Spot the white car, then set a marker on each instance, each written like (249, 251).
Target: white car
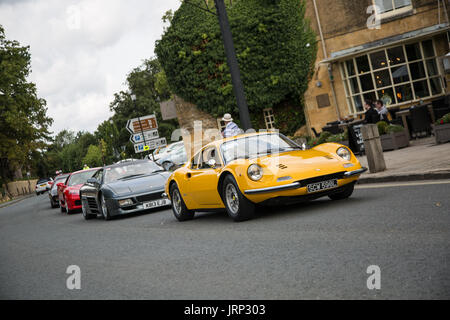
(162, 153)
(43, 185)
(176, 157)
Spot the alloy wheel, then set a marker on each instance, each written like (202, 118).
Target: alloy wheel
(176, 200)
(232, 199)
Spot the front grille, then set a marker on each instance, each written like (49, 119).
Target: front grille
(150, 196)
(337, 175)
(92, 203)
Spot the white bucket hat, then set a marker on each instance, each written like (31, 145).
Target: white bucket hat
(227, 117)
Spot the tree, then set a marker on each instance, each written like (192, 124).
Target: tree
(23, 116)
(93, 157)
(275, 47)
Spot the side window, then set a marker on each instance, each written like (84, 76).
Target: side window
(98, 175)
(195, 161)
(207, 154)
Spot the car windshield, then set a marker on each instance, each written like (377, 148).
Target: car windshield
(253, 146)
(131, 170)
(43, 180)
(80, 178)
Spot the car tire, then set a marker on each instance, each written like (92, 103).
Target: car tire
(238, 207)
(344, 194)
(86, 215)
(53, 204)
(104, 208)
(180, 211)
(67, 207)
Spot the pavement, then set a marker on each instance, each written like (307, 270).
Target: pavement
(16, 199)
(422, 160)
(317, 250)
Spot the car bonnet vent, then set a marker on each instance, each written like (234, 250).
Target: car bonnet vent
(282, 166)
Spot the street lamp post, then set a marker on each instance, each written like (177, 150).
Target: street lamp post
(133, 97)
(230, 52)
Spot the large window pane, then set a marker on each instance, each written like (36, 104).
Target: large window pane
(362, 63)
(350, 68)
(403, 93)
(385, 5)
(396, 55)
(387, 96)
(382, 78)
(354, 85)
(378, 60)
(435, 84)
(401, 3)
(413, 52)
(421, 89)
(358, 103)
(370, 96)
(417, 70)
(428, 49)
(366, 82)
(400, 74)
(432, 67)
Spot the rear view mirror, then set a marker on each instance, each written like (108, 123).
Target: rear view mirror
(211, 163)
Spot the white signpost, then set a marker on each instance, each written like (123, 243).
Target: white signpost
(149, 145)
(144, 133)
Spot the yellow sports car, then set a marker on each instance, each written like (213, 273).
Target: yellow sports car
(260, 168)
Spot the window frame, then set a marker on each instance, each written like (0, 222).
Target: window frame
(269, 118)
(394, 12)
(350, 96)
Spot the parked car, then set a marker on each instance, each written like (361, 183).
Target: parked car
(53, 192)
(260, 168)
(165, 151)
(124, 188)
(176, 157)
(69, 191)
(43, 185)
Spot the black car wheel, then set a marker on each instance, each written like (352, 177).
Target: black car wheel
(86, 215)
(105, 211)
(239, 208)
(344, 194)
(180, 211)
(53, 204)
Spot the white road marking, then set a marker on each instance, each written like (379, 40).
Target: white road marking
(400, 184)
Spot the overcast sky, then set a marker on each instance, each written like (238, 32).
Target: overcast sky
(81, 51)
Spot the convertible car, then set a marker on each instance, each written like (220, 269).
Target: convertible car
(260, 168)
(124, 188)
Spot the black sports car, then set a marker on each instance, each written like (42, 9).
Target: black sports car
(124, 188)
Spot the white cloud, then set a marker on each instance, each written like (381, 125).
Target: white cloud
(81, 51)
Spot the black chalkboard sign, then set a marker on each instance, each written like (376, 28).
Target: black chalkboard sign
(356, 142)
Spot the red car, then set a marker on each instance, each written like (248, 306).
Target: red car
(69, 190)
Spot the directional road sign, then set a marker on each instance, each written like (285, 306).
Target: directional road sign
(147, 123)
(148, 135)
(151, 144)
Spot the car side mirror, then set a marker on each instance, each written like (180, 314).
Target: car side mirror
(60, 184)
(211, 163)
(92, 181)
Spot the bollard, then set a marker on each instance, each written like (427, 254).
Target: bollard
(372, 145)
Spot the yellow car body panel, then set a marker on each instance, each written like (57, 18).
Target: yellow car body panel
(199, 187)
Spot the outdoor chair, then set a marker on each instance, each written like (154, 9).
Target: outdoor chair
(420, 121)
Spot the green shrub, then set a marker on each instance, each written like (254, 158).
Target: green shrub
(382, 127)
(394, 128)
(445, 119)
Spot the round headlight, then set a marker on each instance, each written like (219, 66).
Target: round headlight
(254, 172)
(344, 153)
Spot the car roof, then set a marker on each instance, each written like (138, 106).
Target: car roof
(127, 163)
(91, 169)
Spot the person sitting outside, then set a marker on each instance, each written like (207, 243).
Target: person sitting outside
(371, 115)
(231, 128)
(382, 110)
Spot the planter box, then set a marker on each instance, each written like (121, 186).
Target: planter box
(442, 132)
(394, 140)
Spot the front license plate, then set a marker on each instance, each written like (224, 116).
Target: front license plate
(323, 185)
(156, 203)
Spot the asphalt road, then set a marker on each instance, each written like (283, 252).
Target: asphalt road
(320, 250)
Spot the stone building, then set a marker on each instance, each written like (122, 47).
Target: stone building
(391, 52)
